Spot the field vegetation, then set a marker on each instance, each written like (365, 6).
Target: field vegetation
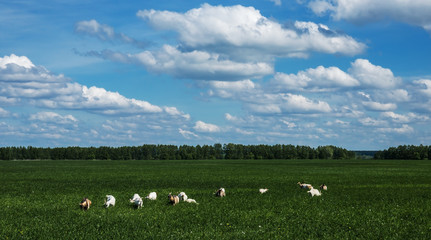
(366, 199)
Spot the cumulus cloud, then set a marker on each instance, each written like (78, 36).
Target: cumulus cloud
(412, 12)
(206, 127)
(198, 65)
(404, 129)
(258, 100)
(231, 89)
(22, 61)
(404, 118)
(361, 74)
(24, 82)
(105, 32)
(372, 75)
(238, 32)
(376, 106)
(424, 86)
(53, 117)
(314, 79)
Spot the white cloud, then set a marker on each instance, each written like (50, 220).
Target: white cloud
(314, 79)
(407, 118)
(240, 32)
(320, 7)
(232, 89)
(4, 113)
(276, 2)
(198, 65)
(187, 134)
(206, 127)
(53, 118)
(105, 32)
(92, 27)
(425, 86)
(299, 103)
(373, 76)
(372, 122)
(24, 83)
(289, 124)
(173, 111)
(376, 106)
(404, 129)
(22, 61)
(414, 12)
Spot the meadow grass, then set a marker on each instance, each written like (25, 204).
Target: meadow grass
(366, 199)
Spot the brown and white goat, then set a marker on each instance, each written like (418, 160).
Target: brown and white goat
(173, 199)
(85, 204)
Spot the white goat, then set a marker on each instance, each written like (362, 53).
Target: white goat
(189, 200)
(137, 200)
(221, 193)
(263, 190)
(183, 196)
(110, 200)
(314, 192)
(152, 196)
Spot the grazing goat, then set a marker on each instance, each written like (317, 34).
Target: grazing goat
(220, 193)
(182, 196)
(305, 185)
(152, 196)
(137, 200)
(173, 199)
(110, 200)
(314, 192)
(85, 204)
(263, 190)
(323, 187)
(189, 200)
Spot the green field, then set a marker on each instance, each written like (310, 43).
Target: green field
(366, 199)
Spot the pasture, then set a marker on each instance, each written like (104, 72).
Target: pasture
(366, 199)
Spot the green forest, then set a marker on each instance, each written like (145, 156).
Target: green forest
(173, 152)
(407, 152)
(216, 151)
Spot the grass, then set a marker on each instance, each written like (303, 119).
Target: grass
(366, 199)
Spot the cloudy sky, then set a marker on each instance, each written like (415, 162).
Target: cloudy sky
(355, 74)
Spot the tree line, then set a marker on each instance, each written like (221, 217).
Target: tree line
(408, 152)
(173, 152)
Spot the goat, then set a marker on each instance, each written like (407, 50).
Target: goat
(305, 185)
(110, 200)
(323, 187)
(182, 196)
(85, 204)
(263, 190)
(220, 193)
(173, 199)
(137, 200)
(189, 200)
(314, 192)
(152, 196)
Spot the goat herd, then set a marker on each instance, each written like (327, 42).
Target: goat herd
(175, 199)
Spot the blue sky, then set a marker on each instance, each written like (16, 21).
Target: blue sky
(355, 74)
